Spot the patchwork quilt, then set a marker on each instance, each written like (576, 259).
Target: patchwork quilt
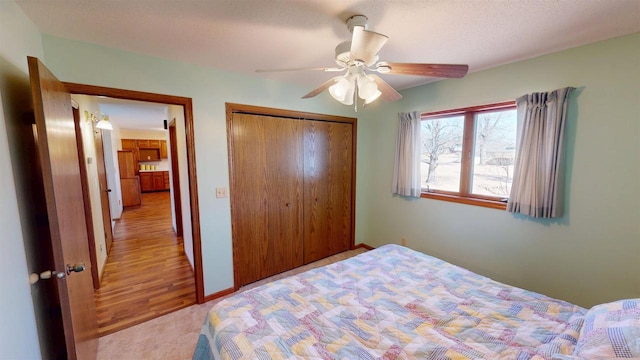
(389, 303)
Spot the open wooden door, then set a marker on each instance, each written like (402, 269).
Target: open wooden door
(63, 192)
(104, 188)
(175, 177)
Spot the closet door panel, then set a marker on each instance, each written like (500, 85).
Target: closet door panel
(266, 196)
(328, 189)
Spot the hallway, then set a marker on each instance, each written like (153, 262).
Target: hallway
(147, 273)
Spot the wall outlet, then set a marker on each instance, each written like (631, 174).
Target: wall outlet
(101, 250)
(403, 242)
(221, 192)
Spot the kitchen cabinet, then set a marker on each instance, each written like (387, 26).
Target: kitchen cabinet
(126, 164)
(145, 150)
(149, 154)
(148, 144)
(144, 144)
(132, 145)
(146, 181)
(128, 144)
(163, 149)
(158, 180)
(154, 181)
(129, 182)
(130, 191)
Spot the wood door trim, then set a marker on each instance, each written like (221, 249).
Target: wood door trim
(86, 200)
(187, 105)
(101, 168)
(292, 114)
(175, 176)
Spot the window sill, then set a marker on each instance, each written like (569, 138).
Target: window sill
(493, 204)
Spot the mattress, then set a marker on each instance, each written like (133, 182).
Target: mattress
(389, 303)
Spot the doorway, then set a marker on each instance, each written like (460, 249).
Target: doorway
(186, 188)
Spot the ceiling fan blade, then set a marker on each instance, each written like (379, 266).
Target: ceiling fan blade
(365, 45)
(389, 94)
(322, 87)
(434, 70)
(302, 69)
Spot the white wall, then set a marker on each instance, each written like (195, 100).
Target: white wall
(90, 104)
(116, 144)
(173, 209)
(113, 175)
(177, 113)
(18, 333)
(142, 134)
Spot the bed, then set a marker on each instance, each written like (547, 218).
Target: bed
(396, 303)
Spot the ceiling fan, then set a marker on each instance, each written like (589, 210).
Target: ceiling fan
(358, 58)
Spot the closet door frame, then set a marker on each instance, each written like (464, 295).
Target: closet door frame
(232, 108)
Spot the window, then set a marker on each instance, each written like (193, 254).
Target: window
(468, 154)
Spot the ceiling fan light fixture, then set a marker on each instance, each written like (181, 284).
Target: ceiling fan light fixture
(366, 87)
(358, 58)
(339, 90)
(373, 97)
(349, 95)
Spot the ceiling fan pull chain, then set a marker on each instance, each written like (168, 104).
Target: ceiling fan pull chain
(355, 98)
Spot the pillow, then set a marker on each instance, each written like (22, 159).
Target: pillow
(610, 331)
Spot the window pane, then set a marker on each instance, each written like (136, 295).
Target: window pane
(494, 153)
(441, 152)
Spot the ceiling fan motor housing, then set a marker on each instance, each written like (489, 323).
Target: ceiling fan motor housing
(360, 55)
(343, 50)
(356, 20)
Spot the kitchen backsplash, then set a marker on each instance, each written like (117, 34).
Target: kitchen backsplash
(162, 165)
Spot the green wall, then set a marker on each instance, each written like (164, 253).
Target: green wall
(80, 62)
(19, 334)
(589, 256)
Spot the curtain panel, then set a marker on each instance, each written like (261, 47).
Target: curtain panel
(538, 179)
(406, 170)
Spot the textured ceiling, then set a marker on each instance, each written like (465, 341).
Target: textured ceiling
(245, 35)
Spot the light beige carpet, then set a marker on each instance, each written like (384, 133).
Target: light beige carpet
(174, 336)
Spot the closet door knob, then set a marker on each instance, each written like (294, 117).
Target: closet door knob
(288, 204)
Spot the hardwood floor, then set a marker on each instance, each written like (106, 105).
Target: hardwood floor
(147, 273)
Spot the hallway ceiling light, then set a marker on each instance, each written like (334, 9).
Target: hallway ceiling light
(101, 119)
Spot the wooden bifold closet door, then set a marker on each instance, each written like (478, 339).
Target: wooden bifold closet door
(328, 157)
(291, 192)
(266, 193)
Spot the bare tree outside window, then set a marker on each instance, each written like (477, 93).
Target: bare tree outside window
(482, 175)
(494, 152)
(441, 148)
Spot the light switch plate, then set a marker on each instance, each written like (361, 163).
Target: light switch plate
(221, 192)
